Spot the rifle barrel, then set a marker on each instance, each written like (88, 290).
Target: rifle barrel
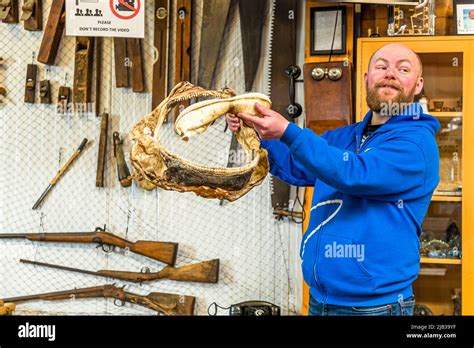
(64, 268)
(13, 235)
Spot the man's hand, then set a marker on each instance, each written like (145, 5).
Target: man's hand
(270, 126)
(233, 122)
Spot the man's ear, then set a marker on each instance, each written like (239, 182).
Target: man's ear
(419, 85)
(365, 78)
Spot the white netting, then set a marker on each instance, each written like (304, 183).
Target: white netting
(257, 252)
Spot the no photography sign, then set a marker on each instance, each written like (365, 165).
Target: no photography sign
(105, 18)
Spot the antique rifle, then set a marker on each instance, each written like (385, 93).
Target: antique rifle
(161, 251)
(167, 304)
(201, 272)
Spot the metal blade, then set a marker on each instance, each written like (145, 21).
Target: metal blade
(252, 19)
(283, 46)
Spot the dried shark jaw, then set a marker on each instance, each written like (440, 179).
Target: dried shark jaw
(154, 166)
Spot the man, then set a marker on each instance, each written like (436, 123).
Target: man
(373, 183)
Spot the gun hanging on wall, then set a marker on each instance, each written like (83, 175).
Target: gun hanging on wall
(160, 251)
(201, 272)
(167, 304)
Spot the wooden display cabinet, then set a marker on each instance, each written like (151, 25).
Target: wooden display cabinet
(448, 63)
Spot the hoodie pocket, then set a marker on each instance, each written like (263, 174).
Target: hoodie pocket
(340, 269)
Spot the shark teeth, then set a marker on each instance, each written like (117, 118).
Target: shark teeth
(154, 166)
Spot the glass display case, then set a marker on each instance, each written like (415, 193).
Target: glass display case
(445, 285)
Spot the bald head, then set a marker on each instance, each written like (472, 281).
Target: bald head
(398, 50)
(393, 76)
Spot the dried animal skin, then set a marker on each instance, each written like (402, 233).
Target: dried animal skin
(154, 166)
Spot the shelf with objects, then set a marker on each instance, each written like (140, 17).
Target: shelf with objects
(445, 284)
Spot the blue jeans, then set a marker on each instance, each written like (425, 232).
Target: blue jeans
(393, 309)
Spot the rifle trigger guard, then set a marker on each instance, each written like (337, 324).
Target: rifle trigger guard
(121, 302)
(145, 270)
(106, 248)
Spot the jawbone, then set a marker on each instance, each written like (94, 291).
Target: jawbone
(154, 166)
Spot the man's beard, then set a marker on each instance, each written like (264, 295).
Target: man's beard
(377, 103)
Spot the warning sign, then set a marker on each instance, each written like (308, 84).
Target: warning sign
(121, 6)
(106, 18)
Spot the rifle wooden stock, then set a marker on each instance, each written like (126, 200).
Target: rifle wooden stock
(6, 308)
(168, 304)
(160, 251)
(202, 272)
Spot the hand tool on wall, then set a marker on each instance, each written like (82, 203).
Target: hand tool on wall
(161, 251)
(3, 94)
(183, 47)
(98, 74)
(122, 62)
(135, 53)
(84, 53)
(45, 92)
(283, 54)
(161, 51)
(32, 15)
(200, 272)
(64, 97)
(252, 19)
(52, 33)
(122, 168)
(251, 24)
(30, 86)
(60, 173)
(167, 304)
(104, 129)
(214, 18)
(9, 11)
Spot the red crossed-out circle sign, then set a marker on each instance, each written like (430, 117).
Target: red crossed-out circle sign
(133, 10)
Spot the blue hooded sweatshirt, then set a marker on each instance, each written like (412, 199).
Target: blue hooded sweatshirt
(362, 244)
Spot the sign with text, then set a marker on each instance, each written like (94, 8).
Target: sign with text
(105, 18)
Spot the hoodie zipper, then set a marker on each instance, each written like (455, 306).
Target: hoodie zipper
(359, 147)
